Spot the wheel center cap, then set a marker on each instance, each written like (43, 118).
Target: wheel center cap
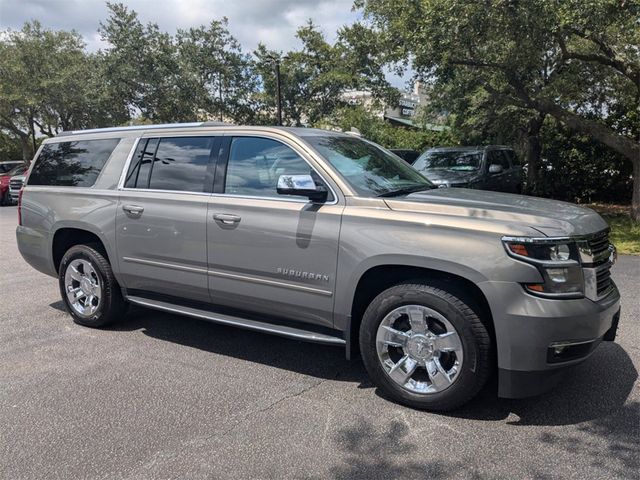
(420, 347)
(85, 285)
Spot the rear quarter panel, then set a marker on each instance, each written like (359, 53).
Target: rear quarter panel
(47, 209)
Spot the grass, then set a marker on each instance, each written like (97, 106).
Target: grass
(625, 233)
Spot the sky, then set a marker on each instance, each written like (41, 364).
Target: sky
(272, 22)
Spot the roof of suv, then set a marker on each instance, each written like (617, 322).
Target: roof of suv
(299, 131)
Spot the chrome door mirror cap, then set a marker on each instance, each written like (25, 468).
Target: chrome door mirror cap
(303, 186)
(495, 169)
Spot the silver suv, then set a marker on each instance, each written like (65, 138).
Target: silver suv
(324, 237)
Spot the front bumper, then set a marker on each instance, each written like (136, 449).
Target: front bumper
(527, 328)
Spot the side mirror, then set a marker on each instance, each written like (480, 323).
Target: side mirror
(303, 186)
(494, 168)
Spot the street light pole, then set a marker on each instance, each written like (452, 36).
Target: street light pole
(278, 93)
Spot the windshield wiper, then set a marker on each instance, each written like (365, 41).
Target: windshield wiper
(406, 191)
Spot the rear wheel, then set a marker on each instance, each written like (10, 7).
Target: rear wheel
(88, 287)
(425, 347)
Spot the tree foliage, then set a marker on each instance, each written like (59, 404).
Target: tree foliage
(47, 84)
(199, 73)
(315, 76)
(577, 61)
(374, 128)
(558, 79)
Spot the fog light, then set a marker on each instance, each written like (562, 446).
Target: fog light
(559, 350)
(557, 275)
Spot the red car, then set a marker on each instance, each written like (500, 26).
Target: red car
(5, 197)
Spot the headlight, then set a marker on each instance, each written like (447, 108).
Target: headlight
(557, 260)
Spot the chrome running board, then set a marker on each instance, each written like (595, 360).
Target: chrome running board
(282, 330)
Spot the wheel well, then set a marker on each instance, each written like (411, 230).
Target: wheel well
(377, 279)
(65, 238)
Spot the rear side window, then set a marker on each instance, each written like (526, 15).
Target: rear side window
(176, 163)
(71, 164)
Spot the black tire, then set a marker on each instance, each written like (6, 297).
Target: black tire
(111, 305)
(6, 199)
(475, 339)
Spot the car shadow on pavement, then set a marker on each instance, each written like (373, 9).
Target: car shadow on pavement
(321, 361)
(597, 388)
(592, 391)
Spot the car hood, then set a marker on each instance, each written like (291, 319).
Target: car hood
(549, 217)
(442, 176)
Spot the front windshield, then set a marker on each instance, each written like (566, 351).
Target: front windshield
(461, 160)
(16, 170)
(369, 169)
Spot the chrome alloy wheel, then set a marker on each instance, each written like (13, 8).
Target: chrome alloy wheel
(82, 286)
(419, 349)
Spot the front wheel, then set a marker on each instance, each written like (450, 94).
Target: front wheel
(88, 287)
(425, 347)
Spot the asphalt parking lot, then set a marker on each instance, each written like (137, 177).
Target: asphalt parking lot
(163, 396)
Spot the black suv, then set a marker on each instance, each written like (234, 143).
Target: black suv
(485, 168)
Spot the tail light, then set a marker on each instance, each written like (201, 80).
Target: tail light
(20, 206)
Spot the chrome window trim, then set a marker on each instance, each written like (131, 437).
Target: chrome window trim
(173, 192)
(127, 163)
(275, 199)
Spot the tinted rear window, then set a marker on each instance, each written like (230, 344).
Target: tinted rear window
(172, 163)
(71, 164)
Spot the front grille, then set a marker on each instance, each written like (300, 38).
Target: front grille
(15, 184)
(599, 248)
(596, 250)
(597, 256)
(603, 280)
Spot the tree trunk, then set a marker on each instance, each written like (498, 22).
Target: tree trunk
(534, 152)
(635, 201)
(25, 145)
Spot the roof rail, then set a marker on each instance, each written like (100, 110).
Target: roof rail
(144, 127)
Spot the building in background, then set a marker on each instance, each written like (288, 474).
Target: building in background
(402, 114)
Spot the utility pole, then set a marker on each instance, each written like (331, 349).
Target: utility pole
(278, 93)
(275, 59)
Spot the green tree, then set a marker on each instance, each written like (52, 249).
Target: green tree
(142, 70)
(374, 128)
(314, 77)
(576, 61)
(220, 73)
(199, 73)
(47, 83)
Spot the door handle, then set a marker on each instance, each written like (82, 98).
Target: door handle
(133, 210)
(226, 218)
